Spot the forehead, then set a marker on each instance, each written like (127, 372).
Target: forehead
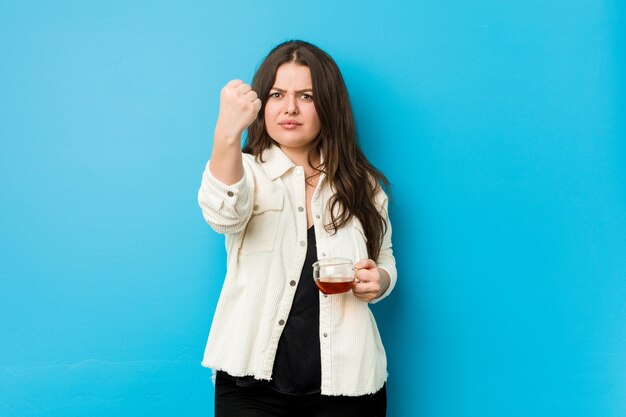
(291, 75)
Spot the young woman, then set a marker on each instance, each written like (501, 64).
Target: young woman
(300, 191)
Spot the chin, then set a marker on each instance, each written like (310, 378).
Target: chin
(292, 142)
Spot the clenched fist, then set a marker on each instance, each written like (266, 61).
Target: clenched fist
(239, 106)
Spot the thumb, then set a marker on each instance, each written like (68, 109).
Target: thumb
(365, 264)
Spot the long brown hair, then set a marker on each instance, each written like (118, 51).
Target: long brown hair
(354, 179)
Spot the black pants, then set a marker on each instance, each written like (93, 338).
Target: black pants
(260, 401)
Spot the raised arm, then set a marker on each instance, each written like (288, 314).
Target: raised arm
(224, 196)
(239, 106)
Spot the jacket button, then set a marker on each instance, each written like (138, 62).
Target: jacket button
(230, 193)
(317, 216)
(325, 334)
(255, 207)
(281, 322)
(300, 209)
(292, 283)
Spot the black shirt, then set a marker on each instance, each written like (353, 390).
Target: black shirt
(297, 365)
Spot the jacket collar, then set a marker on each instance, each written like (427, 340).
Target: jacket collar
(275, 162)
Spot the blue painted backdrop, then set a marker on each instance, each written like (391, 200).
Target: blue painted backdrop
(500, 125)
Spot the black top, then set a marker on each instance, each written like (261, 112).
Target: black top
(297, 366)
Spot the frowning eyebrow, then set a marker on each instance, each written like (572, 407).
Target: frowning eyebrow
(306, 90)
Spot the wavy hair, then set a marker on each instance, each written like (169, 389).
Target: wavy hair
(353, 178)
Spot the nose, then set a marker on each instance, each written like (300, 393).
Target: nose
(291, 104)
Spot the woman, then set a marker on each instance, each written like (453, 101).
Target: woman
(300, 191)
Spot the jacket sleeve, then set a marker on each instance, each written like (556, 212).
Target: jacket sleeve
(386, 260)
(226, 208)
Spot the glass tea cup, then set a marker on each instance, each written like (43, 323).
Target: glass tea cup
(333, 275)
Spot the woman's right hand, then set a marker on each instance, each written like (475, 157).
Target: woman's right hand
(239, 106)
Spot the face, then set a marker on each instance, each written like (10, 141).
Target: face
(290, 115)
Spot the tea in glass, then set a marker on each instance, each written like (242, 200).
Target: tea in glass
(333, 275)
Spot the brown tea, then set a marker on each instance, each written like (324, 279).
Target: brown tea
(334, 285)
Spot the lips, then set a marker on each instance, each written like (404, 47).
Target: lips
(290, 124)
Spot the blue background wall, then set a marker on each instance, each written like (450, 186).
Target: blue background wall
(499, 123)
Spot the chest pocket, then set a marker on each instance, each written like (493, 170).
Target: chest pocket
(262, 228)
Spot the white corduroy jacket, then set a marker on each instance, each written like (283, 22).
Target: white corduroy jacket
(263, 217)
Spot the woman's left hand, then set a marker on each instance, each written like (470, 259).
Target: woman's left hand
(371, 282)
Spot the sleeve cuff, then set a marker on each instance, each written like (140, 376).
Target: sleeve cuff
(229, 194)
(392, 284)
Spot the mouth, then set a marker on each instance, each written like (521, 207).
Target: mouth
(290, 124)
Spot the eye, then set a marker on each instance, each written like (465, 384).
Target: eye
(306, 97)
(275, 94)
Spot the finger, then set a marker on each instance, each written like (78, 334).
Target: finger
(364, 298)
(364, 288)
(363, 295)
(251, 95)
(257, 103)
(365, 264)
(233, 83)
(367, 275)
(243, 89)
